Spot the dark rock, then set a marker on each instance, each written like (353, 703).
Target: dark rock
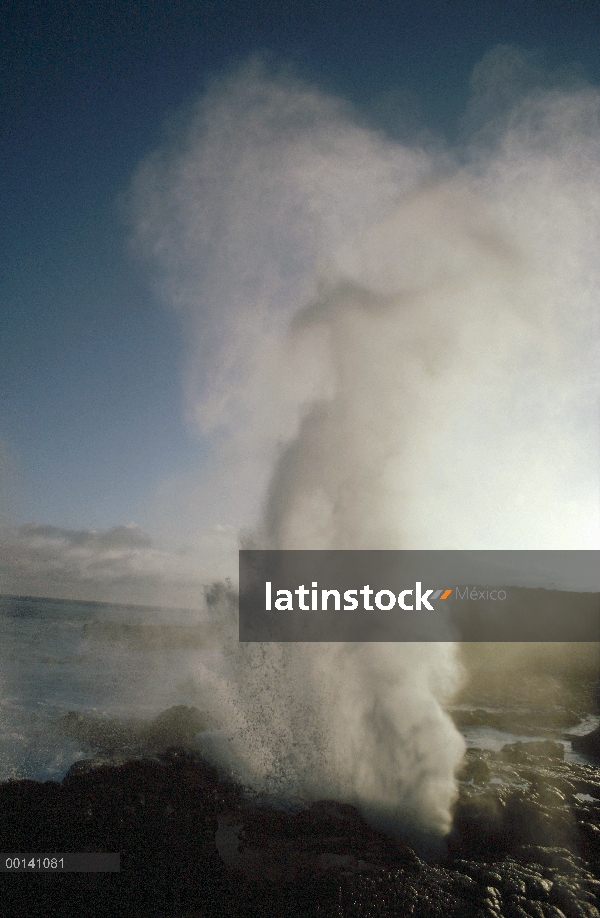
(121, 740)
(475, 769)
(194, 844)
(522, 753)
(589, 744)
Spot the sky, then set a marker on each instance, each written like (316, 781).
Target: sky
(120, 468)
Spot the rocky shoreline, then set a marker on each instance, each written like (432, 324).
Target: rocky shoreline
(525, 844)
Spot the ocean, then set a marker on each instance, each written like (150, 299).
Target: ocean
(115, 665)
(100, 660)
(68, 665)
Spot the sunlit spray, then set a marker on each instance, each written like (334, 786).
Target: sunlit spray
(388, 348)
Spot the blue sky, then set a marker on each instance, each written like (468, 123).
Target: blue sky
(94, 428)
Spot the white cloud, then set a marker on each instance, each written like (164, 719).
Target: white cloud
(117, 565)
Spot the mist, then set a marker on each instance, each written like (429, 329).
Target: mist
(390, 345)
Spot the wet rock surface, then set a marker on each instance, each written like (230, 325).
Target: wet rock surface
(116, 739)
(528, 824)
(525, 844)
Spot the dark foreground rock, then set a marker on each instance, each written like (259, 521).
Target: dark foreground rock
(525, 845)
(589, 744)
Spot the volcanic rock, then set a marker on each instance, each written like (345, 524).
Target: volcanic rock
(525, 844)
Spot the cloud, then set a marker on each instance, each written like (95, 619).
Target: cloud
(118, 565)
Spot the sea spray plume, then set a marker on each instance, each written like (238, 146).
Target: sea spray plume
(273, 198)
(386, 352)
(290, 179)
(360, 723)
(241, 211)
